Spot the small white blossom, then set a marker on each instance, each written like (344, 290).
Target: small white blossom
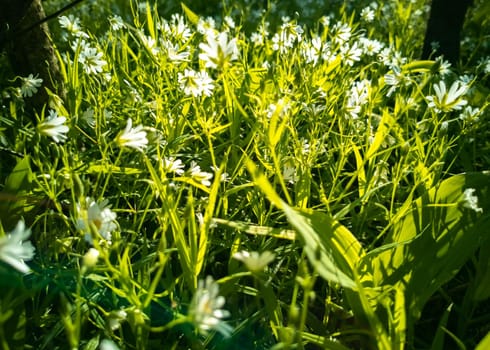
(205, 310)
(200, 176)
(370, 47)
(470, 200)
(72, 25)
(255, 261)
(91, 59)
(174, 53)
(196, 83)
(116, 318)
(14, 250)
(446, 101)
(218, 51)
(133, 137)
(54, 127)
(229, 22)
(206, 26)
(98, 216)
(107, 344)
(342, 33)
(151, 44)
(351, 53)
(30, 85)
(173, 165)
(470, 114)
(116, 22)
(357, 97)
(367, 14)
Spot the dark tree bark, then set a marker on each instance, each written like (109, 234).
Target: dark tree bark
(31, 51)
(444, 27)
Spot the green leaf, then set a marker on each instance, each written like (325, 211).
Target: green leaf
(383, 130)
(436, 236)
(485, 343)
(13, 198)
(191, 16)
(438, 341)
(330, 247)
(482, 280)
(257, 230)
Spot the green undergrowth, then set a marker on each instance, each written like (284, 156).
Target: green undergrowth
(256, 175)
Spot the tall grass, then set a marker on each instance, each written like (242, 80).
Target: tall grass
(248, 181)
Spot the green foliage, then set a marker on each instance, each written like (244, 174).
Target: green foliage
(221, 176)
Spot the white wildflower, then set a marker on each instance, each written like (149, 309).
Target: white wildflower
(14, 250)
(205, 310)
(367, 14)
(351, 53)
(96, 216)
(255, 261)
(116, 22)
(172, 165)
(470, 200)
(446, 101)
(200, 176)
(196, 83)
(30, 85)
(218, 51)
(54, 127)
(133, 137)
(91, 59)
(91, 257)
(107, 344)
(72, 26)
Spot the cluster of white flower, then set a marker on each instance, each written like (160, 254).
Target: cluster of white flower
(289, 34)
(72, 26)
(358, 96)
(196, 83)
(255, 261)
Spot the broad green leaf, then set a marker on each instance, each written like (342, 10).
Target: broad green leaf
(383, 130)
(484, 344)
(482, 280)
(20, 178)
(191, 16)
(14, 201)
(151, 23)
(437, 235)
(330, 247)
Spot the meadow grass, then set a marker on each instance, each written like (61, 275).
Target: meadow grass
(255, 175)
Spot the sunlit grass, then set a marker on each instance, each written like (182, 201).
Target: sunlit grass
(232, 181)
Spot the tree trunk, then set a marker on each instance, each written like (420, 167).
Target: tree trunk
(444, 28)
(30, 52)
